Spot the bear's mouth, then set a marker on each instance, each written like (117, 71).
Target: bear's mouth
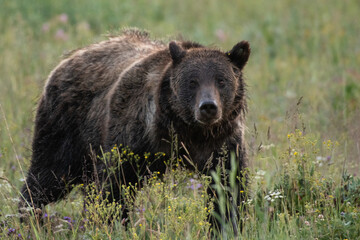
(208, 113)
(208, 122)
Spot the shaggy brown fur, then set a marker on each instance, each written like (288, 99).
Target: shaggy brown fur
(131, 90)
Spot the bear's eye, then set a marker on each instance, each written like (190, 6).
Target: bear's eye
(193, 83)
(221, 83)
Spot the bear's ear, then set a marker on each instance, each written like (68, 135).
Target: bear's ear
(239, 54)
(176, 52)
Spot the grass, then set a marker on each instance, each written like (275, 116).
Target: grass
(303, 86)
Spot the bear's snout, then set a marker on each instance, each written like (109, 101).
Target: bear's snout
(208, 109)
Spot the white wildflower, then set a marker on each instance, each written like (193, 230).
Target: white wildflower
(260, 173)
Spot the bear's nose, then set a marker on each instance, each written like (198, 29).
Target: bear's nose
(208, 109)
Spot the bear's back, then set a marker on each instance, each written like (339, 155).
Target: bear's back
(96, 67)
(75, 95)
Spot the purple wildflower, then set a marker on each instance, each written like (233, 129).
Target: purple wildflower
(11, 231)
(141, 210)
(61, 35)
(45, 27)
(63, 18)
(84, 26)
(194, 185)
(221, 35)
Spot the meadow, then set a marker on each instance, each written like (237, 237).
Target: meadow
(303, 131)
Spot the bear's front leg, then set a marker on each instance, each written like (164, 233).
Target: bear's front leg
(229, 183)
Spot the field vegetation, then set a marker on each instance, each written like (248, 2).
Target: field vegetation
(303, 129)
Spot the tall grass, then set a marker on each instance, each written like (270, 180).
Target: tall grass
(303, 74)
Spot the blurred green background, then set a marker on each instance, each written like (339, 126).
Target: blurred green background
(303, 73)
(301, 50)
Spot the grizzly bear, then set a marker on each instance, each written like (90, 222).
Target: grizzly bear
(134, 91)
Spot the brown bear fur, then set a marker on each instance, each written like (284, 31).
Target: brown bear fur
(131, 90)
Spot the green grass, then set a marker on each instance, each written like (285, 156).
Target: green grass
(306, 50)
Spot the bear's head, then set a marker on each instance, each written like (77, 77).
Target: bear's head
(207, 85)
